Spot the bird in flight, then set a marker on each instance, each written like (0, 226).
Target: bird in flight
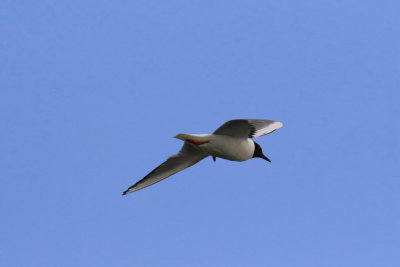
(231, 141)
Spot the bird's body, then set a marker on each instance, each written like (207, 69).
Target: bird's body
(231, 141)
(221, 146)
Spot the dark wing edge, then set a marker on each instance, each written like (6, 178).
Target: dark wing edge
(187, 156)
(248, 128)
(262, 127)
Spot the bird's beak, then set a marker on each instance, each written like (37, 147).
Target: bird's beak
(264, 157)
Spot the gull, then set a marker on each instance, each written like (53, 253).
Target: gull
(231, 141)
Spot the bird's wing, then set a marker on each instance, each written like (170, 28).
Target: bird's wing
(187, 156)
(248, 128)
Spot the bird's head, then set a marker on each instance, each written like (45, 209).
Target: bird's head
(258, 152)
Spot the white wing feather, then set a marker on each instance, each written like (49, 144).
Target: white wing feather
(249, 128)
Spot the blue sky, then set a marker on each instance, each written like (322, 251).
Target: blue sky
(91, 93)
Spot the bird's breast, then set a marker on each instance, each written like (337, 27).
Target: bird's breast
(230, 148)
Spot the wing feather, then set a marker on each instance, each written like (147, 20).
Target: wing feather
(248, 128)
(186, 157)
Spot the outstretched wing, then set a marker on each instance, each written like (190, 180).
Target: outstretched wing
(187, 156)
(248, 128)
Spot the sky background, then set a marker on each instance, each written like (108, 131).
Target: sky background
(91, 93)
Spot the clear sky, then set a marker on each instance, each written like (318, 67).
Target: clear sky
(91, 93)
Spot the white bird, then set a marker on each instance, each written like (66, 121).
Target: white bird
(231, 141)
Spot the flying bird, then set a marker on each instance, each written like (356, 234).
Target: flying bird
(231, 141)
